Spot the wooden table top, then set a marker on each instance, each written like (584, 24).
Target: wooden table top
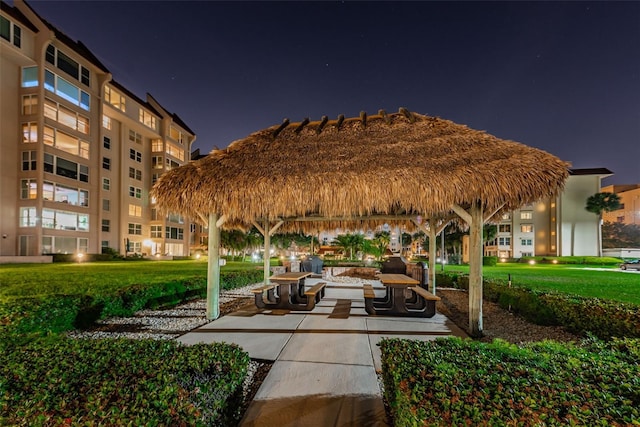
(291, 275)
(397, 279)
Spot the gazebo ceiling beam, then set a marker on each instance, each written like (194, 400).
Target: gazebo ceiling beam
(349, 218)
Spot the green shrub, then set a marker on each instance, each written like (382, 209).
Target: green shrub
(490, 261)
(61, 381)
(456, 382)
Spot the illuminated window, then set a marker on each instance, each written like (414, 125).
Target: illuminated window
(176, 134)
(526, 228)
(135, 210)
(114, 98)
(64, 220)
(157, 162)
(65, 116)
(526, 215)
(156, 145)
(65, 142)
(28, 217)
(175, 151)
(28, 189)
(147, 119)
(106, 122)
(30, 104)
(29, 132)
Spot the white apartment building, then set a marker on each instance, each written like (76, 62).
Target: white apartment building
(554, 227)
(79, 152)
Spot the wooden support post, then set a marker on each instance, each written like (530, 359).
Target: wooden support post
(267, 256)
(213, 269)
(432, 255)
(475, 271)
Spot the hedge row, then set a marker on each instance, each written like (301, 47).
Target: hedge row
(463, 382)
(581, 315)
(66, 312)
(62, 381)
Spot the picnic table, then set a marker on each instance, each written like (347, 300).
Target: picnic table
(395, 302)
(287, 291)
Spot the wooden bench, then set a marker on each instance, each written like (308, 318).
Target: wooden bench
(426, 301)
(314, 294)
(259, 295)
(369, 296)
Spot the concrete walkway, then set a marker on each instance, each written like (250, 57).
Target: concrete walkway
(325, 361)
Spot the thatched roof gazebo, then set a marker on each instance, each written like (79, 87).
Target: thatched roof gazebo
(362, 172)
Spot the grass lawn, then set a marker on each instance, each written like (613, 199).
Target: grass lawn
(605, 283)
(97, 278)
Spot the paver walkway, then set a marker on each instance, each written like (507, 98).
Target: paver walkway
(325, 361)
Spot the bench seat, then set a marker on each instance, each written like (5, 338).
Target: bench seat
(259, 295)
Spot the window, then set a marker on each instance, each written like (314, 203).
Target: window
(65, 116)
(29, 104)
(65, 168)
(135, 137)
(63, 194)
(506, 216)
(135, 174)
(135, 155)
(526, 215)
(504, 228)
(175, 151)
(154, 214)
(64, 220)
(106, 122)
(114, 98)
(156, 232)
(157, 162)
(106, 163)
(28, 217)
(171, 164)
(176, 233)
(504, 241)
(106, 184)
(135, 210)
(154, 178)
(10, 31)
(65, 142)
(147, 119)
(106, 225)
(135, 192)
(29, 132)
(526, 228)
(526, 242)
(56, 57)
(106, 142)
(106, 205)
(620, 218)
(176, 134)
(28, 189)
(30, 77)
(135, 229)
(175, 218)
(29, 160)
(156, 145)
(104, 244)
(66, 90)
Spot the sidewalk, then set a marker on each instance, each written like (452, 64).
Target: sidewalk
(325, 361)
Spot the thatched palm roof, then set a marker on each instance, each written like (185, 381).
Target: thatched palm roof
(349, 168)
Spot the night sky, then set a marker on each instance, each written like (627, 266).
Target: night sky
(563, 77)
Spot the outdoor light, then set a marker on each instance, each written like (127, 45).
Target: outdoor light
(157, 255)
(503, 260)
(555, 261)
(147, 243)
(79, 256)
(532, 261)
(198, 255)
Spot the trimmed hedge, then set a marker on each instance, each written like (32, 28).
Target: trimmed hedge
(463, 382)
(61, 313)
(62, 381)
(603, 318)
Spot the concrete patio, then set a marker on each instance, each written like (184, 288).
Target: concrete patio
(325, 361)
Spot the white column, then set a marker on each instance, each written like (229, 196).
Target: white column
(475, 271)
(213, 269)
(267, 252)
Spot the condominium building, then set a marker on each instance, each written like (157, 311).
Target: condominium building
(629, 212)
(554, 227)
(79, 152)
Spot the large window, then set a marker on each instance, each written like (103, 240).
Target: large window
(147, 119)
(156, 145)
(526, 228)
(63, 220)
(176, 233)
(56, 57)
(66, 90)
(175, 151)
(65, 116)
(157, 162)
(114, 98)
(171, 164)
(65, 142)
(135, 229)
(64, 245)
(64, 194)
(65, 168)
(135, 210)
(176, 134)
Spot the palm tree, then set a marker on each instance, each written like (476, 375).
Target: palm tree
(602, 202)
(349, 242)
(381, 241)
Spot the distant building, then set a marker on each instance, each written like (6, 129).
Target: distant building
(629, 212)
(554, 227)
(79, 152)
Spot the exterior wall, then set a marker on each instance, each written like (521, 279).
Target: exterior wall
(44, 208)
(629, 195)
(578, 230)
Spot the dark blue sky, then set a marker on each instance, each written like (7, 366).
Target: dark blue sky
(563, 77)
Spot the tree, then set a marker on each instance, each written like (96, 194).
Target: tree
(349, 242)
(599, 203)
(381, 241)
